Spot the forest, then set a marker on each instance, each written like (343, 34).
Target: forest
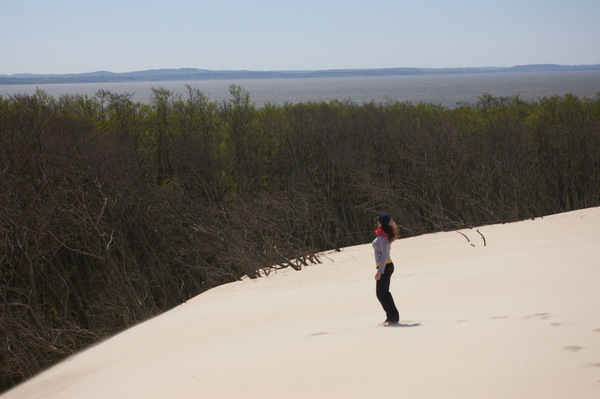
(112, 211)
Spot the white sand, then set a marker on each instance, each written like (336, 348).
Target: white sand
(517, 318)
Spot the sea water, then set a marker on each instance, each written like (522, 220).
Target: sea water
(447, 90)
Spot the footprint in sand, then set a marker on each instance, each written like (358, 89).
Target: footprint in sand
(574, 348)
(542, 316)
(560, 324)
(597, 330)
(499, 317)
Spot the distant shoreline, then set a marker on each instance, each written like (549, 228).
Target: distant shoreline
(158, 75)
(444, 89)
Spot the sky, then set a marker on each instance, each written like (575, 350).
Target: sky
(77, 36)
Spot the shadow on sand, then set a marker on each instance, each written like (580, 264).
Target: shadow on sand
(402, 325)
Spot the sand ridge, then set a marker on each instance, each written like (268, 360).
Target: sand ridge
(501, 311)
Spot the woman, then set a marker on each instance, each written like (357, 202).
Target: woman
(386, 233)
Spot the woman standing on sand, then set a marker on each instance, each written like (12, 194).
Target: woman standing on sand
(386, 233)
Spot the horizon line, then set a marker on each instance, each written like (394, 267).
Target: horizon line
(170, 74)
(546, 65)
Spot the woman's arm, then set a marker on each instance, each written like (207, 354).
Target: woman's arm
(384, 246)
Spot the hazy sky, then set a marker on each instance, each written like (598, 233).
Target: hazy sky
(72, 36)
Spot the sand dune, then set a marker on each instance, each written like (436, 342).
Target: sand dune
(516, 318)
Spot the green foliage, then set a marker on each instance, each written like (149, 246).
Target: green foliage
(112, 211)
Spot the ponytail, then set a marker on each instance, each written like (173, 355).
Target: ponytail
(391, 230)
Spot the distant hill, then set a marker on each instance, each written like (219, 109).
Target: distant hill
(157, 75)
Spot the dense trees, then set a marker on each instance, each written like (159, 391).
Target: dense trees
(113, 211)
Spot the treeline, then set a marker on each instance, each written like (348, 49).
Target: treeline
(113, 211)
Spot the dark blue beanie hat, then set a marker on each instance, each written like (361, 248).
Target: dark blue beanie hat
(384, 218)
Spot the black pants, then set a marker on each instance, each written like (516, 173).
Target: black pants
(384, 295)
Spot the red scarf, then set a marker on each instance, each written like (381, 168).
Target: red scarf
(381, 232)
